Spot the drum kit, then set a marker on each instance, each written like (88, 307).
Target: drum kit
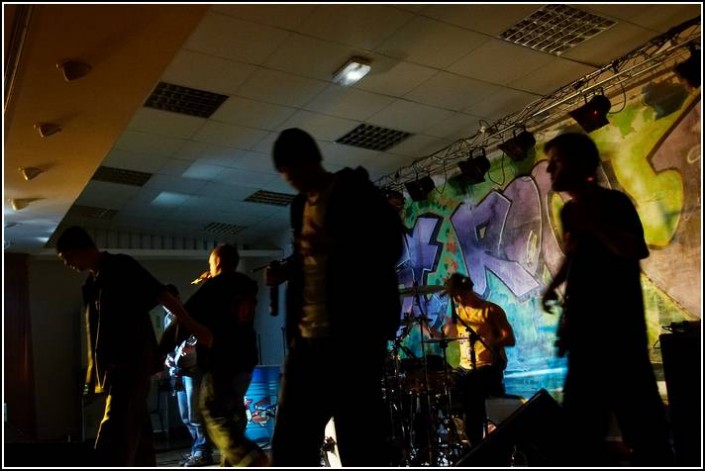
(423, 406)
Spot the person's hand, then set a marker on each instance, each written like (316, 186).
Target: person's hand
(169, 362)
(549, 301)
(276, 273)
(88, 394)
(204, 335)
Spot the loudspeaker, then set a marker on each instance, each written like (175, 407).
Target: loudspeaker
(535, 432)
(49, 454)
(683, 369)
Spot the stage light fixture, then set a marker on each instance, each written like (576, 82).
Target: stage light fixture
(473, 169)
(593, 114)
(690, 69)
(419, 189)
(519, 146)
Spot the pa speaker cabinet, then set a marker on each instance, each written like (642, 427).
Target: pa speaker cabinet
(535, 429)
(682, 367)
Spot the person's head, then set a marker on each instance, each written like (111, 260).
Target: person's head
(76, 249)
(298, 159)
(458, 285)
(573, 160)
(223, 258)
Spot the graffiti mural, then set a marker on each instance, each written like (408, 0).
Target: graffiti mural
(507, 238)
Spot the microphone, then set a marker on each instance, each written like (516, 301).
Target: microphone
(201, 278)
(274, 300)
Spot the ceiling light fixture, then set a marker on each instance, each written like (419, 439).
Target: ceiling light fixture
(19, 204)
(47, 129)
(73, 69)
(29, 173)
(593, 114)
(353, 70)
(520, 146)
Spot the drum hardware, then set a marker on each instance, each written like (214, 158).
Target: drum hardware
(420, 289)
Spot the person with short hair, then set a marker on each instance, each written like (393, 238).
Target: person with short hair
(603, 327)
(121, 344)
(484, 331)
(342, 307)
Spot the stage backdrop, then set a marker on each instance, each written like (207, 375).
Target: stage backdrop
(505, 232)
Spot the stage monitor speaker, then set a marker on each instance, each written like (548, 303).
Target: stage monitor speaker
(49, 455)
(682, 368)
(535, 431)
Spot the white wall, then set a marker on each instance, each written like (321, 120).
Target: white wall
(59, 338)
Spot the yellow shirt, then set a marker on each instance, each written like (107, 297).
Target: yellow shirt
(482, 322)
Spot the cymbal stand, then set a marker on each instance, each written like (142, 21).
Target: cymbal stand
(430, 432)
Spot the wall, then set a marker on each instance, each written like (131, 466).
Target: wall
(505, 231)
(59, 339)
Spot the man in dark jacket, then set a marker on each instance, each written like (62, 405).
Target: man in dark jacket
(342, 307)
(122, 346)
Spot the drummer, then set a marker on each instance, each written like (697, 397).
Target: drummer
(484, 332)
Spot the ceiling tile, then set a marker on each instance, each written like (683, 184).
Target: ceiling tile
(554, 75)
(500, 62)
(361, 25)
(280, 88)
(610, 44)
(450, 91)
(350, 103)
(225, 192)
(106, 195)
(224, 36)
(281, 16)
(404, 115)
(420, 145)
(252, 113)
(258, 161)
(229, 135)
(320, 126)
(204, 72)
(121, 158)
(431, 43)
(458, 126)
(210, 153)
(165, 123)
(148, 143)
(393, 77)
(501, 103)
(487, 19)
(310, 57)
(174, 184)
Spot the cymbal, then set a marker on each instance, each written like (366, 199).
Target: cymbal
(414, 290)
(446, 339)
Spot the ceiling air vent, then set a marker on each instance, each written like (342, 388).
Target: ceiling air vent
(556, 28)
(270, 197)
(222, 228)
(121, 176)
(91, 212)
(184, 100)
(373, 137)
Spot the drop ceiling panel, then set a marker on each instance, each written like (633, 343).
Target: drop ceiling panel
(410, 117)
(280, 88)
(610, 44)
(350, 103)
(227, 37)
(149, 143)
(457, 126)
(502, 103)
(280, 16)
(481, 18)
(346, 156)
(419, 145)
(394, 77)
(549, 78)
(362, 26)
(257, 161)
(106, 195)
(210, 153)
(322, 126)
(165, 123)
(310, 57)
(186, 186)
(431, 43)
(229, 135)
(204, 72)
(647, 16)
(252, 113)
(450, 91)
(224, 192)
(142, 162)
(500, 62)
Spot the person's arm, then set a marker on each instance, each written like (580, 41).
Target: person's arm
(202, 333)
(503, 330)
(550, 296)
(90, 380)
